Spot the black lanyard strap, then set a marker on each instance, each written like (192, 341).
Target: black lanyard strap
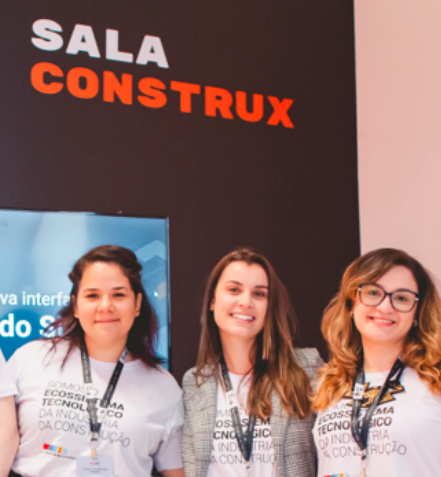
(245, 442)
(360, 433)
(95, 420)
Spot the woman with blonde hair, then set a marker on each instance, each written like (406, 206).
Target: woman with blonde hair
(379, 397)
(247, 409)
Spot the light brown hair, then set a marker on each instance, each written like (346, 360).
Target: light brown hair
(275, 367)
(422, 348)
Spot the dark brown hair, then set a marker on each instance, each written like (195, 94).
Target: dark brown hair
(275, 367)
(422, 349)
(142, 338)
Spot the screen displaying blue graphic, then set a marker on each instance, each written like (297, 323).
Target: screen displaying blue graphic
(39, 249)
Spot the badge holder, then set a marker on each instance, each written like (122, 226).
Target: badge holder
(102, 466)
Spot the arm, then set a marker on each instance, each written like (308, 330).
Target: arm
(188, 453)
(8, 434)
(168, 457)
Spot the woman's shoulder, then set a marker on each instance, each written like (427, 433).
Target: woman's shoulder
(150, 381)
(29, 361)
(189, 380)
(164, 378)
(309, 359)
(200, 389)
(33, 349)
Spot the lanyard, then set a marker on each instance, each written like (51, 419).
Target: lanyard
(360, 433)
(95, 419)
(245, 442)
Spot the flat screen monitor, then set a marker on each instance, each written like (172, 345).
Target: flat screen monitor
(38, 250)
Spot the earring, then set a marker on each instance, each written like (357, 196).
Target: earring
(415, 323)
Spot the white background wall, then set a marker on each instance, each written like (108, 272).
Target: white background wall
(398, 70)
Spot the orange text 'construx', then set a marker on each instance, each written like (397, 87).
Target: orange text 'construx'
(84, 83)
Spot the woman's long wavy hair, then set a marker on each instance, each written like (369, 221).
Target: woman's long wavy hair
(422, 348)
(275, 367)
(142, 337)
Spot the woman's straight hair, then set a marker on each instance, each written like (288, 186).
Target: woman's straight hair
(275, 367)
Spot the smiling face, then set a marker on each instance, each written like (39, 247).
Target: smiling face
(106, 305)
(383, 324)
(240, 301)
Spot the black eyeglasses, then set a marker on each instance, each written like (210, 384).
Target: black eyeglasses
(372, 294)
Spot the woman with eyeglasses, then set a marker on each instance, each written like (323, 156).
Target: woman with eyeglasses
(247, 409)
(379, 397)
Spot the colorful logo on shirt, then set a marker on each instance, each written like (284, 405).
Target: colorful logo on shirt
(337, 475)
(369, 394)
(55, 449)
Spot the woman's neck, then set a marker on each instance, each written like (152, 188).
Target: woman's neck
(238, 354)
(380, 357)
(108, 353)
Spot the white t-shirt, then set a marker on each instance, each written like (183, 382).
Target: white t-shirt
(404, 437)
(226, 458)
(7, 386)
(143, 423)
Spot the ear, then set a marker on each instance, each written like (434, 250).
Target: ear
(73, 299)
(212, 304)
(138, 302)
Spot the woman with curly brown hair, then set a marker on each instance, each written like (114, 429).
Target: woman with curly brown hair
(247, 409)
(93, 399)
(379, 398)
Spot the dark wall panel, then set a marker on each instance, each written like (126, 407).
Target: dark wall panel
(289, 191)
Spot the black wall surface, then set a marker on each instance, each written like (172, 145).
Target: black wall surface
(291, 192)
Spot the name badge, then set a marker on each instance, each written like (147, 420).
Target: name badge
(358, 391)
(101, 466)
(231, 399)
